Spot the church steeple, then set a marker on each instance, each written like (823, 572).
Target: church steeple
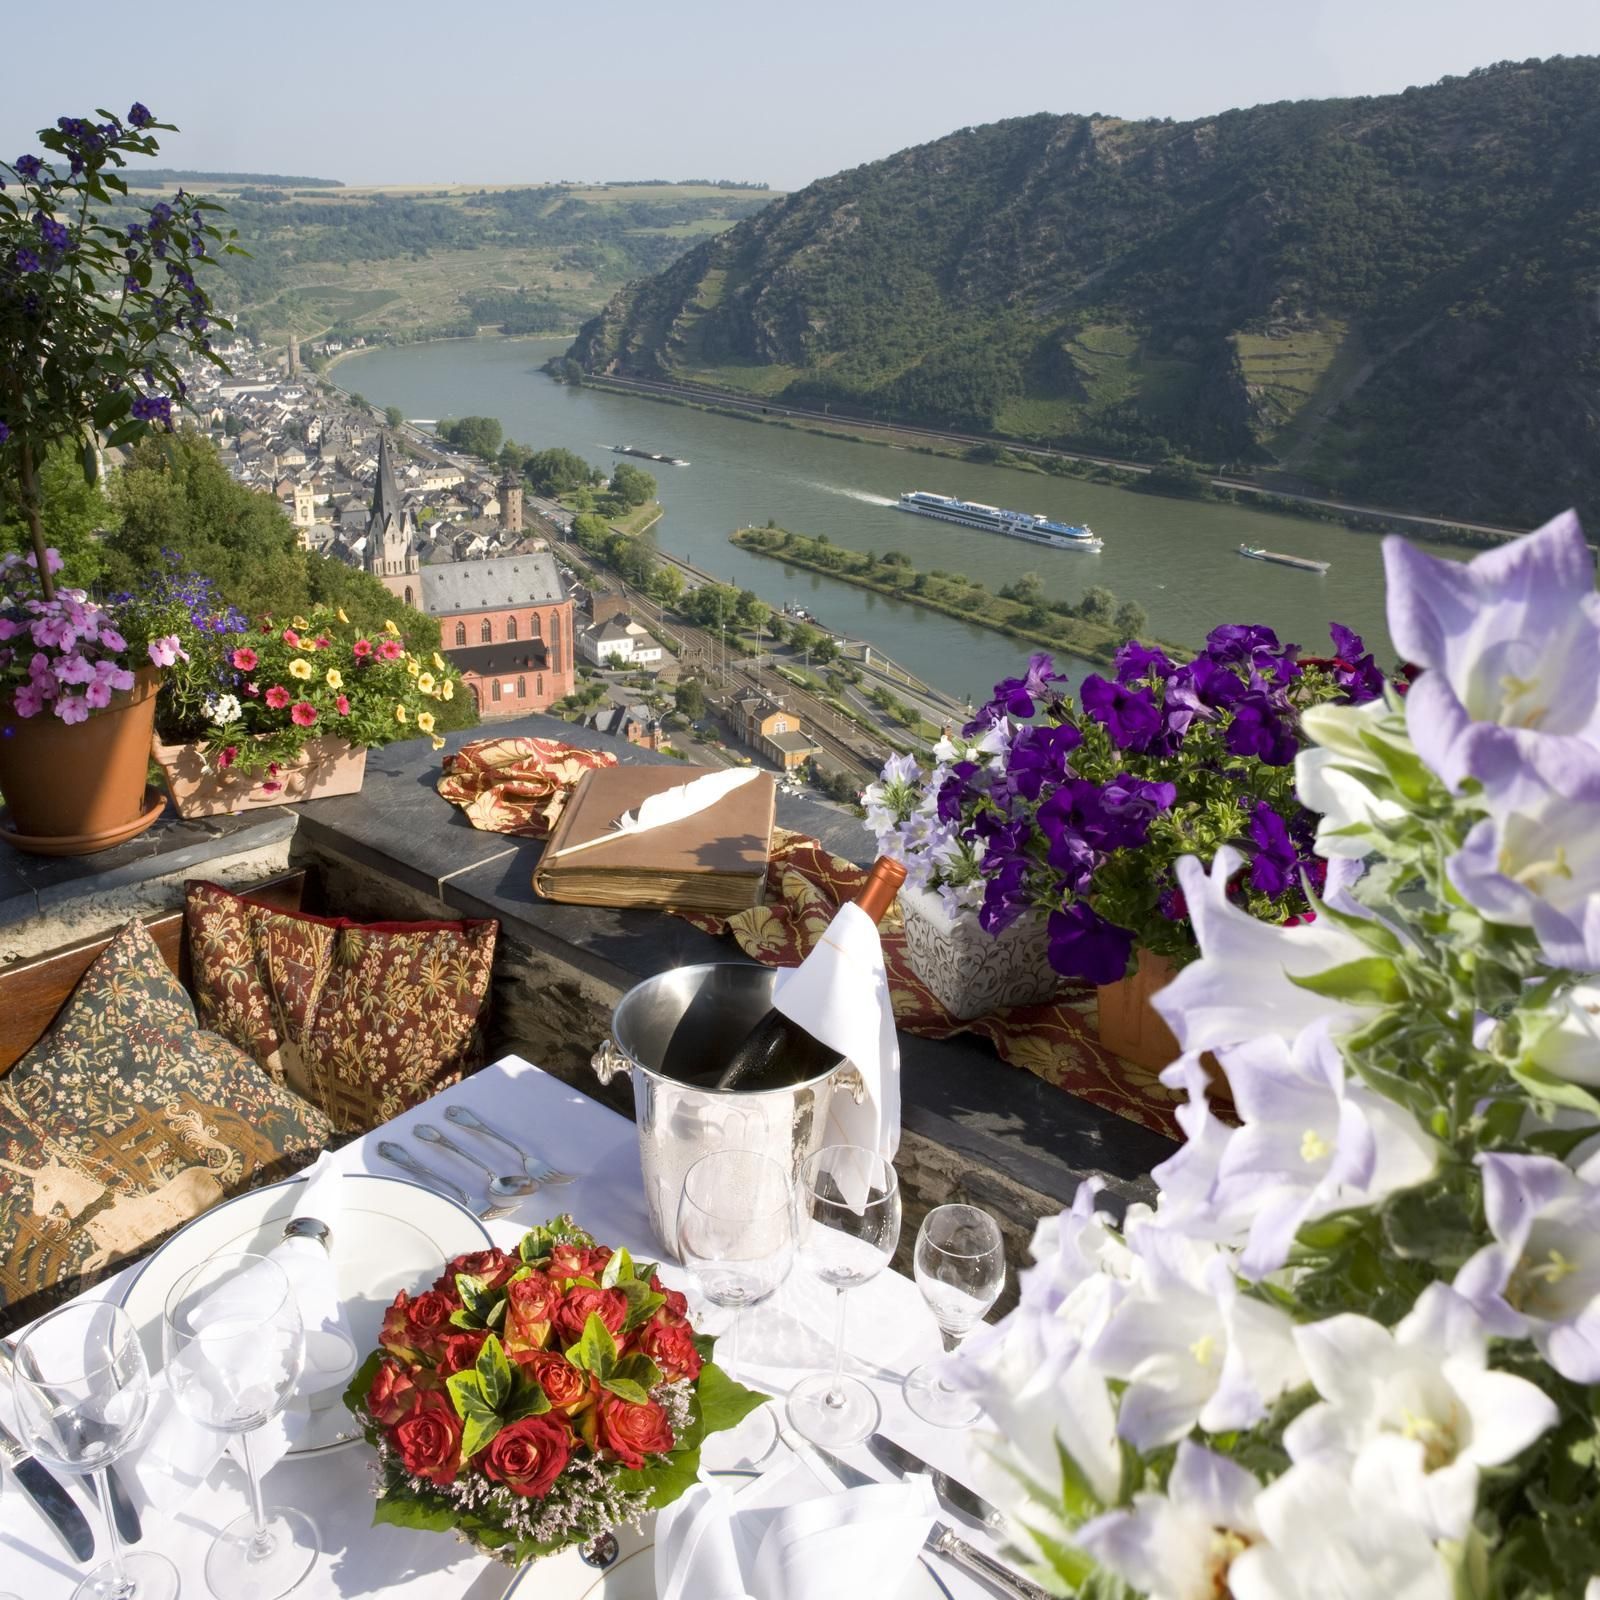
(386, 495)
(391, 548)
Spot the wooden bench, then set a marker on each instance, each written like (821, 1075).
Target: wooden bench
(32, 992)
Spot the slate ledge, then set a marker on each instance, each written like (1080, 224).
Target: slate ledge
(989, 1120)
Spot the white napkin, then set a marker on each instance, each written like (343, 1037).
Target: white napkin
(713, 1545)
(177, 1453)
(844, 1002)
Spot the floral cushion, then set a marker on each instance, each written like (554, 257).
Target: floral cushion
(362, 1019)
(123, 1122)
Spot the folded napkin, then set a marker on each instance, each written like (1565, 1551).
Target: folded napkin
(845, 1003)
(177, 1452)
(716, 1545)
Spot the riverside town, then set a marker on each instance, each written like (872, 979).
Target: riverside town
(866, 880)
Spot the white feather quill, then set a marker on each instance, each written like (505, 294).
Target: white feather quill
(671, 805)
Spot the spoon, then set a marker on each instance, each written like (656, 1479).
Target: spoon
(501, 1186)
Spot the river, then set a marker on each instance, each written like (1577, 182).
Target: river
(1176, 558)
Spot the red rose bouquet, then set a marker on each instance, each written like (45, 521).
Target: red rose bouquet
(540, 1399)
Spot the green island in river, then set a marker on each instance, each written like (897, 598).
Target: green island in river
(1091, 629)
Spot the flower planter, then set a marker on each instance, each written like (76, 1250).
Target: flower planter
(74, 788)
(1129, 1025)
(968, 972)
(199, 788)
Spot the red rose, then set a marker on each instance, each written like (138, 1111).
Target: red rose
(565, 1387)
(428, 1318)
(530, 1306)
(458, 1351)
(429, 1440)
(395, 1335)
(493, 1266)
(670, 1344)
(578, 1305)
(632, 1432)
(392, 1393)
(677, 1303)
(528, 1456)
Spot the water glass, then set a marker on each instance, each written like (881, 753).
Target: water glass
(960, 1266)
(83, 1394)
(847, 1224)
(235, 1348)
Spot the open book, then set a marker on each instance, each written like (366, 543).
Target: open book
(712, 860)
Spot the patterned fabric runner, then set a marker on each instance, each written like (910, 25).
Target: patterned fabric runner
(1056, 1042)
(516, 785)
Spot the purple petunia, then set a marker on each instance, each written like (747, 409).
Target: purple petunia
(1085, 946)
(1274, 868)
(1135, 661)
(1239, 641)
(1259, 729)
(1128, 715)
(5, 433)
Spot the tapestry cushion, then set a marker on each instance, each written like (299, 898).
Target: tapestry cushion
(123, 1122)
(364, 1020)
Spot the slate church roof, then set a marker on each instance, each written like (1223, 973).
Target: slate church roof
(492, 585)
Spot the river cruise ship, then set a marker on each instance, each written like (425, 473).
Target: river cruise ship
(991, 519)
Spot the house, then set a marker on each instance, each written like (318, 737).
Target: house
(619, 640)
(766, 726)
(638, 724)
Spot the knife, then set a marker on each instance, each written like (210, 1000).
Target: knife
(955, 1494)
(123, 1511)
(52, 1501)
(941, 1541)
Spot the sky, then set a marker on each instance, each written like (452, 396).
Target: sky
(508, 91)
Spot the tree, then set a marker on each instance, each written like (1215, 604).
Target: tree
(753, 610)
(477, 436)
(712, 605)
(393, 415)
(632, 485)
(72, 512)
(1097, 605)
(1131, 619)
(1028, 589)
(804, 638)
(690, 699)
(556, 472)
(667, 584)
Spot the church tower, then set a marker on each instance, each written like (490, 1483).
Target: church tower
(294, 354)
(391, 552)
(510, 488)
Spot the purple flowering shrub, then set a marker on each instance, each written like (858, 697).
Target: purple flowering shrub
(93, 317)
(1081, 811)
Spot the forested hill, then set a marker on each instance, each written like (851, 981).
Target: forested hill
(1395, 297)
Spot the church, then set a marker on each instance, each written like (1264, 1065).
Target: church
(391, 548)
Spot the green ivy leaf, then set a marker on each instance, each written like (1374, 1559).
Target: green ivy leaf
(480, 1422)
(1371, 980)
(626, 1389)
(618, 1269)
(640, 1370)
(643, 1303)
(528, 1398)
(721, 1401)
(494, 1372)
(402, 1513)
(596, 1351)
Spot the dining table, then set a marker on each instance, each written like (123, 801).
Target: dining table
(888, 1331)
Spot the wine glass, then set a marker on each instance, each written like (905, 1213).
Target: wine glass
(847, 1223)
(736, 1235)
(235, 1348)
(83, 1394)
(960, 1265)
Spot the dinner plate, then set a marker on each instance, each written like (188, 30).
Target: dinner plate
(633, 1575)
(392, 1235)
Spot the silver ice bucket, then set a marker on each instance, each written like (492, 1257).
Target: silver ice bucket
(680, 1122)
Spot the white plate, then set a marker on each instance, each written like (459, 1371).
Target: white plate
(393, 1235)
(633, 1575)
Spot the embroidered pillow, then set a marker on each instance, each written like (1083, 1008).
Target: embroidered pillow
(124, 1121)
(362, 1019)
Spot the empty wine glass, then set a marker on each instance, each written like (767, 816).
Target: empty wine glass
(960, 1265)
(235, 1348)
(847, 1223)
(83, 1393)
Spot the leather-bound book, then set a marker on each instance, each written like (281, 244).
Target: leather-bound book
(712, 860)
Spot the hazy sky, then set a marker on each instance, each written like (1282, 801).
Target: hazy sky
(501, 91)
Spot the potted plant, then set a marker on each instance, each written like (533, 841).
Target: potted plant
(1066, 818)
(282, 713)
(93, 320)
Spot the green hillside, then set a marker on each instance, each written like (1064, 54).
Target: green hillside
(1392, 298)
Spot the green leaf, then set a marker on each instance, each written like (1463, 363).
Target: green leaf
(619, 1267)
(643, 1303)
(402, 1513)
(1078, 1501)
(596, 1351)
(480, 1422)
(1433, 1223)
(1548, 1089)
(722, 1402)
(1372, 980)
(494, 1372)
(626, 1389)
(356, 1391)
(528, 1398)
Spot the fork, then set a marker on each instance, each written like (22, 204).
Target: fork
(399, 1156)
(536, 1167)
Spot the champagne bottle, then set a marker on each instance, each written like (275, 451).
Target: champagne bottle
(778, 1052)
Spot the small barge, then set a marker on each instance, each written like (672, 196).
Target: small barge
(1255, 553)
(648, 455)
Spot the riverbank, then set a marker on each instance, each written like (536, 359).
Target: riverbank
(482, 335)
(950, 594)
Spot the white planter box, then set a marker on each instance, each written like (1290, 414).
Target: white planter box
(968, 972)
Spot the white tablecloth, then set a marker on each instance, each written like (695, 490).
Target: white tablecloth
(890, 1330)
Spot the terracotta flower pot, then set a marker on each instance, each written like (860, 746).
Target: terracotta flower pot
(324, 766)
(1130, 1026)
(74, 788)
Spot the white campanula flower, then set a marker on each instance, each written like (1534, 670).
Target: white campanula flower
(1419, 1403)
(1334, 777)
(1567, 1045)
(1188, 1178)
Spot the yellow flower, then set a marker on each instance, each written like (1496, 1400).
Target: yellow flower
(425, 683)
(438, 661)
(299, 668)
(411, 666)
(438, 743)
(300, 622)
(342, 616)
(425, 721)
(389, 627)
(335, 679)
(448, 689)
(399, 713)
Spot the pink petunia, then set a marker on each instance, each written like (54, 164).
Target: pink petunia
(291, 638)
(269, 788)
(361, 649)
(390, 649)
(277, 697)
(98, 694)
(72, 708)
(244, 658)
(227, 758)
(165, 652)
(323, 641)
(304, 714)
(343, 706)
(26, 700)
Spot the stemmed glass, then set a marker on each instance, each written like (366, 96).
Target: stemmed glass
(235, 1348)
(960, 1265)
(83, 1394)
(847, 1223)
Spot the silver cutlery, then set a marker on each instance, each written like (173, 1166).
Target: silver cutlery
(501, 1187)
(51, 1500)
(122, 1506)
(397, 1155)
(941, 1541)
(953, 1494)
(536, 1168)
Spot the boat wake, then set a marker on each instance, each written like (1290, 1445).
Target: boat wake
(849, 494)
